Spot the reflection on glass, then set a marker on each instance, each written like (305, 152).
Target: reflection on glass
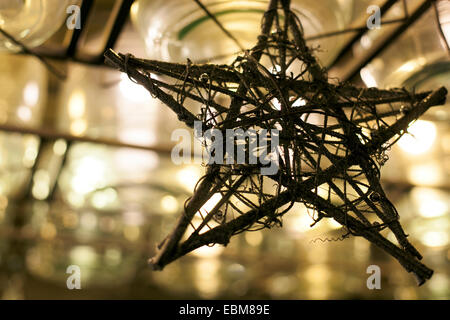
(189, 176)
(30, 21)
(417, 60)
(435, 239)
(410, 59)
(176, 30)
(23, 83)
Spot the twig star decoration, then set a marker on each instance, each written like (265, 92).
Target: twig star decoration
(332, 141)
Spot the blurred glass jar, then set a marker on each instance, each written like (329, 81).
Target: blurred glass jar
(418, 56)
(418, 60)
(177, 29)
(30, 21)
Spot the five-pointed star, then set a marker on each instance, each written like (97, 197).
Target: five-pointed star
(333, 140)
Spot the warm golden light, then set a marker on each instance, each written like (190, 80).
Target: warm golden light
(419, 139)
(188, 177)
(412, 65)
(428, 174)
(299, 102)
(132, 91)
(276, 104)
(131, 233)
(368, 78)
(134, 9)
(103, 198)
(60, 147)
(435, 239)
(89, 175)
(24, 113)
(133, 218)
(78, 127)
(300, 223)
(70, 220)
(169, 204)
(208, 252)
(333, 224)
(431, 203)
(77, 104)
(83, 255)
(30, 153)
(31, 94)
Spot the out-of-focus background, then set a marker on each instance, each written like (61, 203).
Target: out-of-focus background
(85, 171)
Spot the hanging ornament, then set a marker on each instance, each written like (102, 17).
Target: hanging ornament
(327, 141)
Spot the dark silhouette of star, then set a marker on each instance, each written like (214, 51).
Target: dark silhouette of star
(333, 139)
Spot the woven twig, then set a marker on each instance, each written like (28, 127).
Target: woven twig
(333, 141)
